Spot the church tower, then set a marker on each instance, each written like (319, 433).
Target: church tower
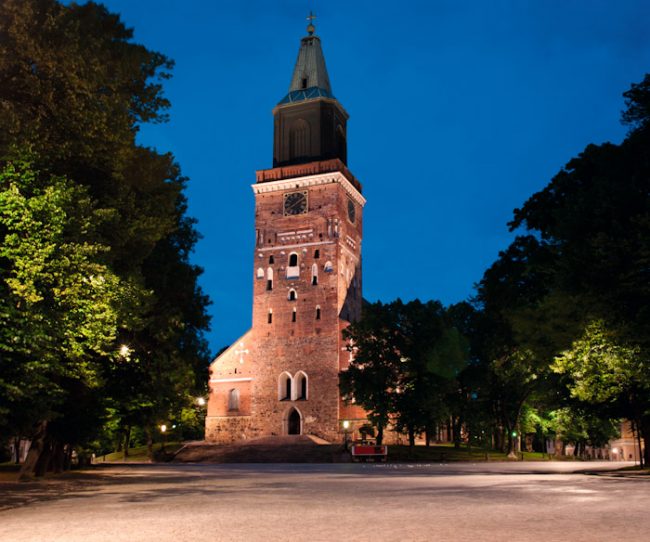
(281, 377)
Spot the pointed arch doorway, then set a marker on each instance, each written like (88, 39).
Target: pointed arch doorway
(293, 422)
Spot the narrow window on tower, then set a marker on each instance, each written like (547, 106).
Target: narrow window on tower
(284, 387)
(314, 275)
(269, 279)
(304, 82)
(316, 254)
(271, 260)
(292, 295)
(317, 313)
(301, 386)
(270, 317)
(293, 269)
(293, 315)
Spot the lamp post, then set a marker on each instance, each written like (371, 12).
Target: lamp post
(346, 435)
(163, 430)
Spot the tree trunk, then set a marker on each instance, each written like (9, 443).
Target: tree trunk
(58, 456)
(127, 441)
(456, 432)
(380, 435)
(411, 432)
(68, 457)
(43, 463)
(149, 443)
(38, 442)
(427, 437)
(512, 446)
(17, 441)
(644, 432)
(499, 443)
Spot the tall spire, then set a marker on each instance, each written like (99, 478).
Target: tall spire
(309, 122)
(310, 78)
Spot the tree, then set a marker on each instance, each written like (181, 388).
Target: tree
(61, 303)
(516, 365)
(593, 222)
(371, 379)
(604, 370)
(73, 86)
(406, 358)
(74, 89)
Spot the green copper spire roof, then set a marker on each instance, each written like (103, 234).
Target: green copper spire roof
(310, 79)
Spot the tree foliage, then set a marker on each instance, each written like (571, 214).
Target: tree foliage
(406, 356)
(104, 258)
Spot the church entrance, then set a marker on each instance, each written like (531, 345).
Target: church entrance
(293, 422)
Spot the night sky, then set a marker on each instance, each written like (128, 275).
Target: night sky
(459, 111)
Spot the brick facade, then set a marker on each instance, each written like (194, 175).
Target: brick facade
(306, 272)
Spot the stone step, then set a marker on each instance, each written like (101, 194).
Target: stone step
(277, 449)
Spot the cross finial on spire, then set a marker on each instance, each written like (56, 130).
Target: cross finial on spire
(310, 27)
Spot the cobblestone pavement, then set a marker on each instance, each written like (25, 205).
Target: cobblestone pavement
(337, 502)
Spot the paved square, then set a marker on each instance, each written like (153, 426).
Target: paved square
(352, 502)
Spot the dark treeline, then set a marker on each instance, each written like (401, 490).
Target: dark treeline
(558, 333)
(101, 315)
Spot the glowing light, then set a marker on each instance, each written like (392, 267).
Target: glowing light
(346, 424)
(200, 401)
(125, 351)
(163, 428)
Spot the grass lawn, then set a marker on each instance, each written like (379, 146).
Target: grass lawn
(138, 454)
(447, 452)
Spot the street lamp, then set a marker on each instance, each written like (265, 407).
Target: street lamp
(163, 430)
(346, 434)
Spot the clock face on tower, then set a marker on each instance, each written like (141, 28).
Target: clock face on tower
(351, 210)
(295, 203)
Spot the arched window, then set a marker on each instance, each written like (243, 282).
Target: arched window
(284, 387)
(293, 269)
(317, 312)
(316, 254)
(233, 399)
(270, 318)
(292, 295)
(299, 139)
(301, 386)
(314, 275)
(260, 273)
(269, 279)
(293, 315)
(328, 267)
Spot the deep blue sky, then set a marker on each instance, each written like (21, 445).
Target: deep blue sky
(459, 111)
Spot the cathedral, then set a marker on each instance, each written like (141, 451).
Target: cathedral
(281, 376)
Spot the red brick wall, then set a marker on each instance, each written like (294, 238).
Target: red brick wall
(306, 344)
